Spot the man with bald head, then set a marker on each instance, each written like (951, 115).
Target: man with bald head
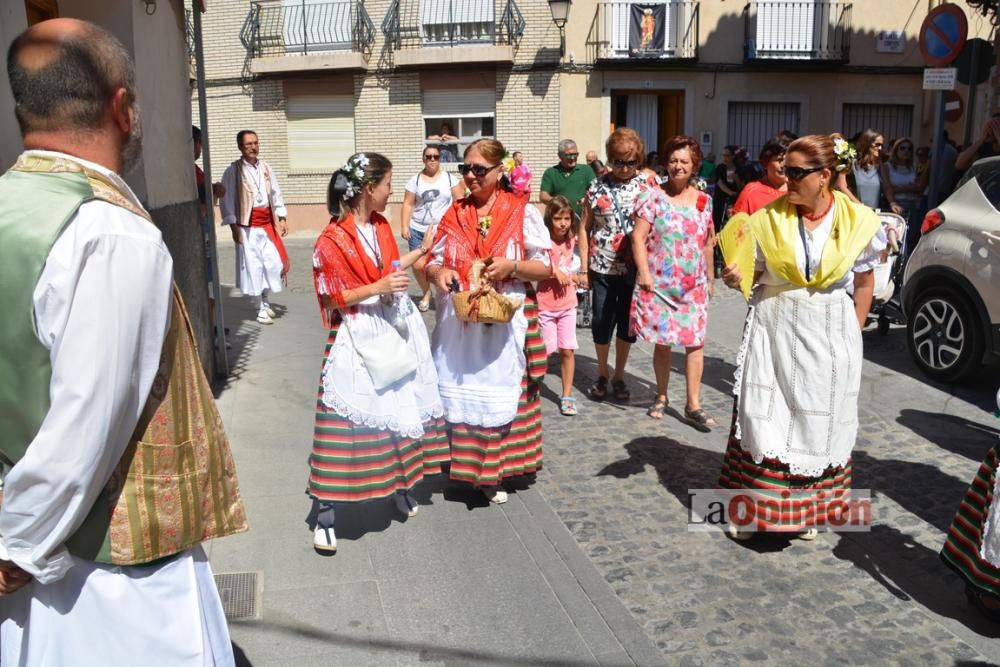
(114, 463)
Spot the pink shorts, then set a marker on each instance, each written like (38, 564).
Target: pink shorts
(558, 329)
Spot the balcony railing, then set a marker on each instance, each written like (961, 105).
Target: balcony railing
(798, 30)
(280, 27)
(427, 23)
(667, 29)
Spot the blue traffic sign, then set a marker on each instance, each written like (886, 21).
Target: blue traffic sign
(943, 34)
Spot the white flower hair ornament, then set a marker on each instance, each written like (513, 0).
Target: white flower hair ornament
(846, 153)
(354, 174)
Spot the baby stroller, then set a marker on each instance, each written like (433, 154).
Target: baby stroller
(886, 307)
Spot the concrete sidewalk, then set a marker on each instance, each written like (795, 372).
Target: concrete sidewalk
(464, 582)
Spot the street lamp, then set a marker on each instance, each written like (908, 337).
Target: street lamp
(560, 14)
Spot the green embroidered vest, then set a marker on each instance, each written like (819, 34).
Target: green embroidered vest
(176, 484)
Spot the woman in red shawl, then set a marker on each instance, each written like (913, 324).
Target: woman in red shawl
(489, 374)
(369, 443)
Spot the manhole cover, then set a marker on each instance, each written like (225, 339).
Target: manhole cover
(240, 593)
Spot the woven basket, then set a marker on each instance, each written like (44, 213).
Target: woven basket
(491, 306)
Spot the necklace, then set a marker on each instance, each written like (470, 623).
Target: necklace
(258, 181)
(486, 220)
(814, 217)
(372, 245)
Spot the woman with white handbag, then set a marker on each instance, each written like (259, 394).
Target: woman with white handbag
(379, 418)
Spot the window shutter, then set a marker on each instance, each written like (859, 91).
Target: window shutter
(320, 131)
(752, 124)
(477, 102)
(891, 120)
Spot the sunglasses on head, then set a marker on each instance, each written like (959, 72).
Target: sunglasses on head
(478, 170)
(432, 156)
(621, 164)
(798, 173)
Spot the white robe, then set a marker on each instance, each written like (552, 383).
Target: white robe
(258, 264)
(102, 308)
(480, 366)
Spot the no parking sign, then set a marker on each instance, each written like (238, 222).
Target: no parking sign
(943, 34)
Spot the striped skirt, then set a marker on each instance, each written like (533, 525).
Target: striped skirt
(352, 463)
(486, 456)
(965, 536)
(771, 477)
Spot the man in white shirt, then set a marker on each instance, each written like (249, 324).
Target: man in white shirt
(255, 211)
(101, 392)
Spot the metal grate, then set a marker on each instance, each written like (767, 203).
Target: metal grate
(752, 124)
(241, 594)
(892, 120)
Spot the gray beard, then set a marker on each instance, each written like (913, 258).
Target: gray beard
(132, 149)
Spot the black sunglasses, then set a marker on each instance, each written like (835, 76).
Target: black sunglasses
(619, 164)
(477, 169)
(798, 173)
(431, 156)
(570, 156)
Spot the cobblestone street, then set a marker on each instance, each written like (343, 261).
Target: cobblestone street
(618, 481)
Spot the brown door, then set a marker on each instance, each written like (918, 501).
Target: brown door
(669, 116)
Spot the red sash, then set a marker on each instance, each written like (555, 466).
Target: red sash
(341, 263)
(262, 217)
(464, 244)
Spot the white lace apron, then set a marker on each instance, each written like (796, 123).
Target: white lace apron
(347, 387)
(799, 379)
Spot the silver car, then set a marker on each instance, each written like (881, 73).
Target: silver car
(951, 286)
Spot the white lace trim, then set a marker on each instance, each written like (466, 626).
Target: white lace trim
(490, 420)
(381, 422)
(795, 468)
(741, 358)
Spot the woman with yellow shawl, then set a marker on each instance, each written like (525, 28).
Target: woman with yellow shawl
(799, 367)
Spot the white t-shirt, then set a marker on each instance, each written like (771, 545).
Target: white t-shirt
(431, 199)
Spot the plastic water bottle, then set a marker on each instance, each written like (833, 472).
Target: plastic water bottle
(402, 306)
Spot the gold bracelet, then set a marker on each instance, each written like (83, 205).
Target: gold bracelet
(513, 273)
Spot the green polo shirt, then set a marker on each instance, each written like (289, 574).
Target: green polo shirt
(570, 184)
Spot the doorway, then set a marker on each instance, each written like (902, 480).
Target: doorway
(656, 116)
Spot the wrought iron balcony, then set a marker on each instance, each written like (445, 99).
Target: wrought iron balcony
(414, 24)
(276, 28)
(802, 30)
(664, 30)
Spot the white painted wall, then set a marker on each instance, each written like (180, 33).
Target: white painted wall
(12, 22)
(165, 175)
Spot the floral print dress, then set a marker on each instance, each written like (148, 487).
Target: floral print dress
(675, 312)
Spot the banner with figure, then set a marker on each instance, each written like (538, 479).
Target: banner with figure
(647, 30)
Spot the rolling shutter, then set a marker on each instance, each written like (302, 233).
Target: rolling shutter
(320, 131)
(891, 120)
(472, 102)
(752, 124)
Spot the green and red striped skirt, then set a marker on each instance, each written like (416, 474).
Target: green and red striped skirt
(770, 477)
(486, 456)
(352, 463)
(962, 547)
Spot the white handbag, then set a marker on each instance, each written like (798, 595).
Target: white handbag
(386, 358)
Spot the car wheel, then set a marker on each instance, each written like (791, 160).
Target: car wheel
(944, 335)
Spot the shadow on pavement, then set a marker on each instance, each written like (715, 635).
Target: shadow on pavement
(911, 572)
(950, 432)
(425, 652)
(891, 353)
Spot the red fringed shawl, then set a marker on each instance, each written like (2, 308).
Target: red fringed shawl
(464, 244)
(341, 263)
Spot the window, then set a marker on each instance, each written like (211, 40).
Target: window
(314, 25)
(785, 28)
(624, 23)
(446, 21)
(469, 115)
(892, 120)
(320, 132)
(752, 124)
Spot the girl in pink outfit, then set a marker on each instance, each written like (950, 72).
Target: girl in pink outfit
(520, 176)
(557, 297)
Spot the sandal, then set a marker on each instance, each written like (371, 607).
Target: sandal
(567, 406)
(621, 392)
(699, 417)
(657, 409)
(599, 391)
(425, 303)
